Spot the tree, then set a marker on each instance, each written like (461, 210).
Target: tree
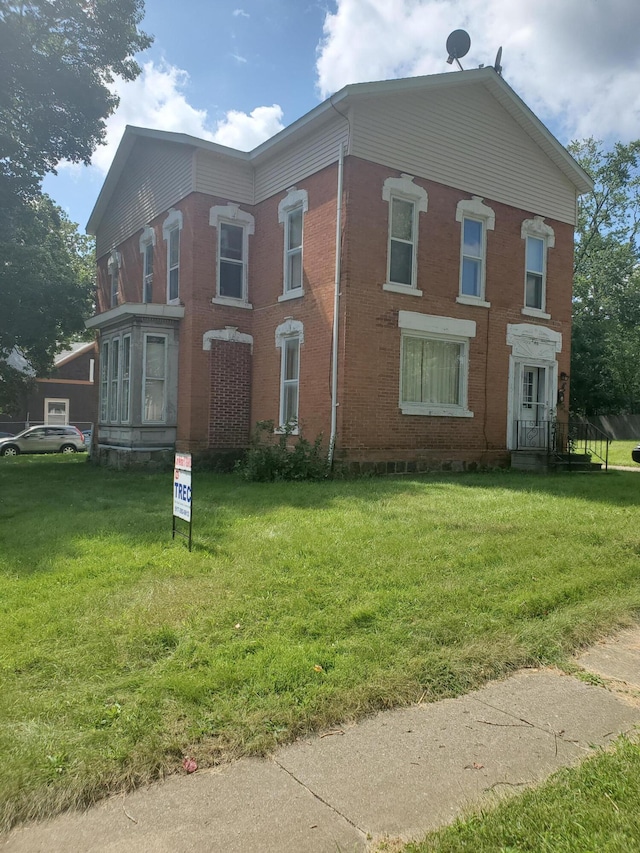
(58, 59)
(46, 287)
(606, 306)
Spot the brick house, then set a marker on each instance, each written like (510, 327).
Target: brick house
(393, 270)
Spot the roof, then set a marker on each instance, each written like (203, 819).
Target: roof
(346, 97)
(74, 350)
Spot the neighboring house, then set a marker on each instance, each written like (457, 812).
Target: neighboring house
(67, 396)
(436, 321)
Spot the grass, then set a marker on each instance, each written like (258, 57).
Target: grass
(299, 606)
(620, 453)
(591, 808)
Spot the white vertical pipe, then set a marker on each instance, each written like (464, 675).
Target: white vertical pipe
(336, 308)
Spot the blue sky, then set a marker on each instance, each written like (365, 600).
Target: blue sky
(237, 71)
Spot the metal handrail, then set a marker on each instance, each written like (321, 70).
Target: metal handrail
(559, 438)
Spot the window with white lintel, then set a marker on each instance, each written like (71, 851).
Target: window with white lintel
(538, 239)
(234, 227)
(406, 201)
(475, 218)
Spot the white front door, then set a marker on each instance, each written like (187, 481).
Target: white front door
(532, 410)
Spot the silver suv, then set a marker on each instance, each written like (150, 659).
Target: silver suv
(44, 439)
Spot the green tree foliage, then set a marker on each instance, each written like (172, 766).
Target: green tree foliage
(46, 287)
(58, 63)
(606, 316)
(58, 59)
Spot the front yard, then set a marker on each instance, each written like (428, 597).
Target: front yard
(299, 606)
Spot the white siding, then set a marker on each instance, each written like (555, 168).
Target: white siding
(294, 162)
(465, 139)
(224, 177)
(157, 175)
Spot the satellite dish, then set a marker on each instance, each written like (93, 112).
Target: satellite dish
(458, 45)
(497, 66)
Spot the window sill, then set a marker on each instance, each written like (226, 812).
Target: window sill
(283, 431)
(172, 301)
(401, 288)
(291, 294)
(535, 312)
(232, 303)
(431, 411)
(463, 299)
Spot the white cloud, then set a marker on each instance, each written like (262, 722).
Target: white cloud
(240, 13)
(575, 62)
(244, 131)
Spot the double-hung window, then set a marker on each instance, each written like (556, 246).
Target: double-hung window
(104, 382)
(434, 364)
(113, 267)
(475, 219)
(289, 338)
(406, 201)
(402, 242)
(538, 238)
(147, 245)
(291, 213)
(234, 226)
(171, 228)
(534, 273)
(472, 257)
(293, 251)
(290, 381)
(231, 260)
(114, 380)
(154, 378)
(125, 380)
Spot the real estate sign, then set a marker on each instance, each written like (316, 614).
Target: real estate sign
(182, 492)
(182, 486)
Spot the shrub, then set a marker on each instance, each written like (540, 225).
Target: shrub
(279, 457)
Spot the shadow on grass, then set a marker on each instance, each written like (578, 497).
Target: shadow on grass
(49, 505)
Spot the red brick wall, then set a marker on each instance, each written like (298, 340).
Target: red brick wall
(213, 407)
(372, 426)
(230, 394)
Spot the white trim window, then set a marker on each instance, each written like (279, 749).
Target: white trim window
(289, 339)
(125, 380)
(154, 379)
(147, 246)
(56, 411)
(104, 381)
(114, 380)
(171, 228)
(539, 238)
(475, 219)
(406, 201)
(434, 364)
(113, 266)
(291, 211)
(234, 227)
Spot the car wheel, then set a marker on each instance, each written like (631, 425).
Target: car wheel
(10, 450)
(67, 448)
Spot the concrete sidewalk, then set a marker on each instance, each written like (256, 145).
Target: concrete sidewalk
(392, 777)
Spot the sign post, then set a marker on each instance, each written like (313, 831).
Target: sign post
(182, 494)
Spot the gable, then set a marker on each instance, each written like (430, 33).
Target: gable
(157, 174)
(464, 138)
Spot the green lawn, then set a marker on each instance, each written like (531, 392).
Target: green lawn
(620, 453)
(591, 809)
(300, 605)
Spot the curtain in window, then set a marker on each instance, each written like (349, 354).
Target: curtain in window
(431, 371)
(154, 379)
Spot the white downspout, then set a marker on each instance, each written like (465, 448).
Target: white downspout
(336, 307)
